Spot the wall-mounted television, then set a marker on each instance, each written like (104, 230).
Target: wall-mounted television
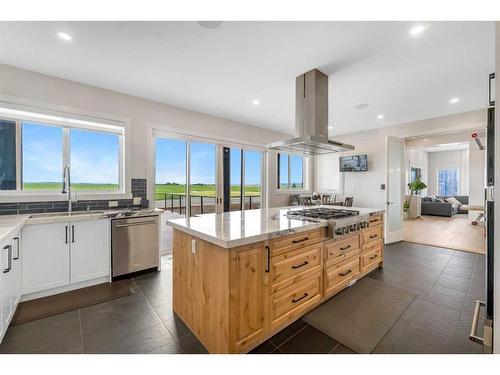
(356, 163)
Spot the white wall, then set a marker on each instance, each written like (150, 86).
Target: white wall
(365, 186)
(420, 159)
(42, 88)
(448, 159)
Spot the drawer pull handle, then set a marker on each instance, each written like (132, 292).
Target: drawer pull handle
(268, 267)
(373, 220)
(302, 240)
(374, 236)
(298, 299)
(345, 273)
(373, 257)
(345, 248)
(301, 265)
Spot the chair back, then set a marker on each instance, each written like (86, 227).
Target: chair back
(348, 201)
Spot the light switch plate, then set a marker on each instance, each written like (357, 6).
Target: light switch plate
(193, 246)
(113, 203)
(137, 201)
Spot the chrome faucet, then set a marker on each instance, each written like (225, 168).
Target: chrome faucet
(67, 185)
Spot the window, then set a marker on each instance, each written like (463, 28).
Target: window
(448, 181)
(7, 155)
(94, 158)
(42, 160)
(93, 151)
(290, 172)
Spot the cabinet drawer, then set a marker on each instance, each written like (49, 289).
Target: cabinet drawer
(294, 266)
(294, 241)
(338, 276)
(372, 235)
(371, 256)
(374, 221)
(291, 302)
(337, 251)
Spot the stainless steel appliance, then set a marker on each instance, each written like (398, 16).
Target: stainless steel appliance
(487, 339)
(135, 244)
(340, 222)
(311, 118)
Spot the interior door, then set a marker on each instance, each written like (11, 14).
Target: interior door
(394, 189)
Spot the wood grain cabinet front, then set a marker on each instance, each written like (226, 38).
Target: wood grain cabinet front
(337, 251)
(372, 255)
(372, 235)
(337, 277)
(294, 266)
(292, 302)
(248, 289)
(294, 241)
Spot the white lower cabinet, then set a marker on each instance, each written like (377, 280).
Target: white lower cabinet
(10, 280)
(45, 256)
(61, 254)
(90, 250)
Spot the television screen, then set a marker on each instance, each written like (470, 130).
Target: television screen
(357, 163)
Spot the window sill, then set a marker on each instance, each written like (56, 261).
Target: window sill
(6, 197)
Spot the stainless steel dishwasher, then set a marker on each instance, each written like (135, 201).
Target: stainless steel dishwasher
(135, 244)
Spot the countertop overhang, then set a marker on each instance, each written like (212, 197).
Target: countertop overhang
(236, 228)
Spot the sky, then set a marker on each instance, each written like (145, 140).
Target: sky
(171, 163)
(93, 155)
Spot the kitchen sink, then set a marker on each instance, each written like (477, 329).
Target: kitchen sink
(65, 214)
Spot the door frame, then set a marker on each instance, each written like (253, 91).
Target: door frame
(160, 131)
(395, 236)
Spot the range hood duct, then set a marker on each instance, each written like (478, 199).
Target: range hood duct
(311, 118)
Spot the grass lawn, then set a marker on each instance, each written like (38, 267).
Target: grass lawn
(74, 187)
(205, 190)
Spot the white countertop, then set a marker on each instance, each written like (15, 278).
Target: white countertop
(231, 229)
(12, 223)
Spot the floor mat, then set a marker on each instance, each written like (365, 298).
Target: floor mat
(360, 316)
(68, 301)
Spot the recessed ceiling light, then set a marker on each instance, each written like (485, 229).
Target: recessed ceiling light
(454, 100)
(64, 36)
(361, 106)
(380, 116)
(416, 30)
(256, 101)
(210, 24)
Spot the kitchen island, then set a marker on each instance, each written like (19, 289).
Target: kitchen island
(240, 277)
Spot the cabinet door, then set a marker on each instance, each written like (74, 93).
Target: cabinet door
(16, 270)
(4, 290)
(248, 291)
(90, 250)
(45, 256)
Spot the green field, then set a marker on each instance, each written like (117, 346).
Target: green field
(204, 190)
(74, 187)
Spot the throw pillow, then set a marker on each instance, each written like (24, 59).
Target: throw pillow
(454, 201)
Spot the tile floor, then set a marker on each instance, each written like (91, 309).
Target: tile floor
(438, 321)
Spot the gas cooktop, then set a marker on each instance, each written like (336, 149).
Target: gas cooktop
(321, 213)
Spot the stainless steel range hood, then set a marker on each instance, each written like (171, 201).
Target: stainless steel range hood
(311, 118)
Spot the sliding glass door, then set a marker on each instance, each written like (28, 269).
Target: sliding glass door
(196, 177)
(242, 179)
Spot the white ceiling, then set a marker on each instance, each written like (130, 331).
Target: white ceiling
(448, 147)
(220, 71)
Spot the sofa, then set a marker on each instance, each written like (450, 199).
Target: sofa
(436, 208)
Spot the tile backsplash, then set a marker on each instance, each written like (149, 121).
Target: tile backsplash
(139, 189)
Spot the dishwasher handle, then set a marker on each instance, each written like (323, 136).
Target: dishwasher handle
(134, 224)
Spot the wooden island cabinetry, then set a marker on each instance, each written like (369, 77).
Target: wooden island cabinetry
(233, 299)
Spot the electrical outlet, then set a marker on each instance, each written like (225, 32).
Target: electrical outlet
(137, 201)
(113, 203)
(193, 246)
(351, 283)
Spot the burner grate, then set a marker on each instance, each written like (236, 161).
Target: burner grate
(322, 213)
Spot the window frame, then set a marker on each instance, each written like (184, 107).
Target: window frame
(66, 126)
(289, 189)
(459, 179)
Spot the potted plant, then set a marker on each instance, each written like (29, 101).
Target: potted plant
(415, 187)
